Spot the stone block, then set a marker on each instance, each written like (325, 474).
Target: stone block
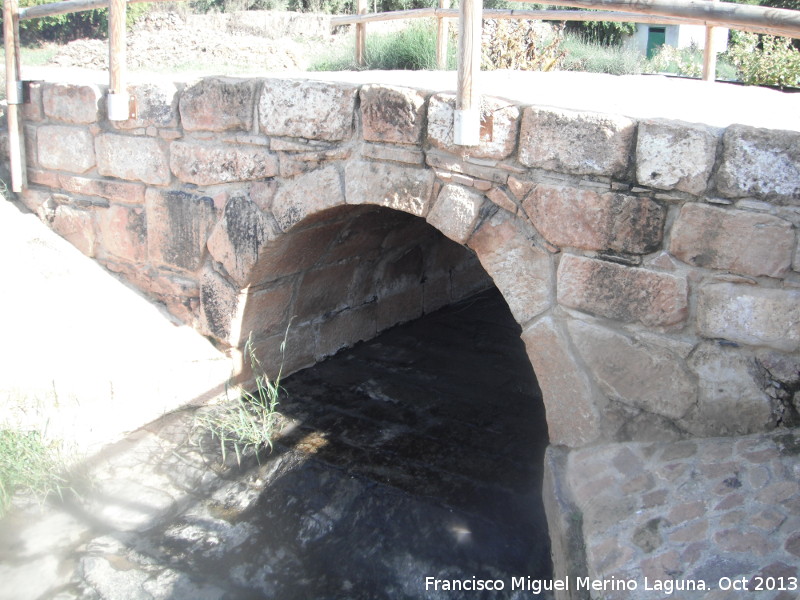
(626, 294)
(392, 114)
(314, 110)
(620, 365)
(401, 154)
(325, 290)
(403, 188)
(46, 178)
(576, 218)
(77, 227)
(293, 252)
(502, 199)
(307, 195)
(264, 311)
(133, 158)
(521, 271)
(118, 191)
(208, 164)
(236, 240)
(156, 106)
(71, 103)
(734, 240)
(218, 105)
(65, 148)
(750, 315)
(219, 305)
(401, 307)
(123, 233)
(760, 162)
(456, 212)
(572, 418)
(576, 142)
(34, 110)
(178, 225)
(731, 401)
(499, 125)
(675, 156)
(345, 329)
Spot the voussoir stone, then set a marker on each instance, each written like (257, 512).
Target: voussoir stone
(582, 143)
(623, 293)
(520, 270)
(219, 305)
(620, 365)
(750, 315)
(178, 226)
(675, 156)
(456, 212)
(71, 103)
(206, 164)
(65, 148)
(760, 162)
(572, 418)
(499, 125)
(395, 186)
(392, 114)
(571, 217)
(134, 158)
(314, 110)
(306, 195)
(735, 240)
(218, 105)
(730, 401)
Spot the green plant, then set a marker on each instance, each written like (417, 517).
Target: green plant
(584, 55)
(521, 45)
(687, 62)
(765, 59)
(29, 464)
(249, 421)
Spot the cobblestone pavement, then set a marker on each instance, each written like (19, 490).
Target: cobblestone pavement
(724, 511)
(402, 459)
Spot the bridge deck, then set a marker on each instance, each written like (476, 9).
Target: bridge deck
(641, 96)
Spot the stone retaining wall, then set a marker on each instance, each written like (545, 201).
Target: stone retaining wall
(653, 265)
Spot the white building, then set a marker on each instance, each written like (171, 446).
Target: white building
(648, 38)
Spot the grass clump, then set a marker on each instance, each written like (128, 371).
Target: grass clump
(29, 465)
(250, 420)
(582, 54)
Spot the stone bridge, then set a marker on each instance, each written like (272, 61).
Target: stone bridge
(652, 264)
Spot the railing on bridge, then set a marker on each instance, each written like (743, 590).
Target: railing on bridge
(470, 14)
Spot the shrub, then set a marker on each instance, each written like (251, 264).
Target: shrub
(525, 45)
(584, 55)
(765, 59)
(687, 62)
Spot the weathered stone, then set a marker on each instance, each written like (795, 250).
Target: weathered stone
(730, 401)
(314, 110)
(392, 114)
(402, 188)
(521, 271)
(178, 225)
(306, 195)
(499, 125)
(237, 238)
(325, 290)
(208, 164)
(623, 293)
(750, 315)
(46, 178)
(401, 154)
(71, 103)
(501, 198)
(34, 109)
(77, 227)
(123, 233)
(156, 106)
(133, 158)
(620, 365)
(345, 329)
(576, 142)
(739, 241)
(760, 162)
(293, 252)
(120, 191)
(571, 217)
(572, 419)
(456, 212)
(675, 156)
(219, 302)
(218, 105)
(264, 311)
(65, 148)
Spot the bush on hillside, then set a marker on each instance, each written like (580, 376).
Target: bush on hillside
(765, 59)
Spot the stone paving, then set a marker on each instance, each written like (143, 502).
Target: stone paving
(724, 511)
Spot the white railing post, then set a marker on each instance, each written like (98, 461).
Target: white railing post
(467, 122)
(118, 100)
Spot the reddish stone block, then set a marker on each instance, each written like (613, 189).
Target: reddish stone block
(208, 164)
(71, 103)
(65, 148)
(118, 191)
(218, 105)
(77, 227)
(392, 114)
(123, 233)
(134, 158)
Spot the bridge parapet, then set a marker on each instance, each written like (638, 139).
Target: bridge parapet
(652, 264)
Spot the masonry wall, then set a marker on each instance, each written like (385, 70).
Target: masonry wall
(653, 265)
